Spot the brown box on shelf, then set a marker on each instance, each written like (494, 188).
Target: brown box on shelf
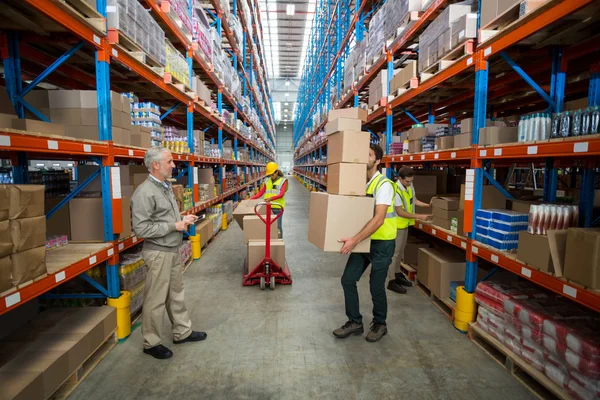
(206, 177)
(255, 229)
(444, 142)
(349, 147)
(347, 179)
(415, 146)
(495, 135)
(411, 252)
(343, 124)
(439, 267)
(534, 250)
(25, 201)
(6, 246)
(82, 132)
(141, 139)
(442, 222)
(332, 217)
(19, 385)
(463, 28)
(417, 133)
(490, 197)
(81, 99)
(28, 264)
(60, 222)
(446, 203)
(425, 184)
(5, 274)
(204, 228)
(6, 120)
(4, 202)
(256, 252)
(353, 113)
(446, 214)
(87, 221)
(582, 259)
(489, 11)
(246, 207)
(121, 136)
(28, 233)
(522, 206)
(32, 125)
(463, 140)
(81, 116)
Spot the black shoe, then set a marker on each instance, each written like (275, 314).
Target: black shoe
(194, 337)
(159, 352)
(395, 287)
(401, 279)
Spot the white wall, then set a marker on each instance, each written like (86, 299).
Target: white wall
(285, 152)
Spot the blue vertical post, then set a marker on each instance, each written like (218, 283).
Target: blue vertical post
(430, 115)
(558, 80)
(594, 89)
(550, 181)
(586, 203)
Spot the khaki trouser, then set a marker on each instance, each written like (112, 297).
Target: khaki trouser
(398, 253)
(163, 289)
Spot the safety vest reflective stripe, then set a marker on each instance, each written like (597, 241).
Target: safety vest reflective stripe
(388, 230)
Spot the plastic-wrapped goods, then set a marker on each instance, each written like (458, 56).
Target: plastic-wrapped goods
(565, 124)
(579, 391)
(590, 385)
(501, 291)
(576, 123)
(586, 121)
(585, 366)
(533, 220)
(513, 345)
(489, 305)
(555, 126)
(574, 223)
(595, 121)
(522, 129)
(557, 375)
(533, 354)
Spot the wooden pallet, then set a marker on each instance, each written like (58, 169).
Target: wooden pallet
(453, 56)
(508, 17)
(133, 49)
(409, 272)
(409, 20)
(83, 10)
(412, 84)
(535, 381)
(374, 59)
(86, 368)
(166, 8)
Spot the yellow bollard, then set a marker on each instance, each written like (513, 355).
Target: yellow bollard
(464, 312)
(196, 249)
(224, 222)
(123, 316)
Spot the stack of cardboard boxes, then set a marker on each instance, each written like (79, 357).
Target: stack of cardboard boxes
(22, 235)
(40, 356)
(495, 132)
(423, 138)
(438, 267)
(378, 90)
(406, 77)
(446, 213)
(343, 210)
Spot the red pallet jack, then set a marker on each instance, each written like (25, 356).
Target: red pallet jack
(268, 270)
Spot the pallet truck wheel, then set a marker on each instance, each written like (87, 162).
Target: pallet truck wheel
(272, 283)
(262, 283)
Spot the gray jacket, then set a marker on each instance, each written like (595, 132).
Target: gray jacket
(154, 212)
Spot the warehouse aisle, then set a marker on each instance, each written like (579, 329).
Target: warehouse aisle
(278, 345)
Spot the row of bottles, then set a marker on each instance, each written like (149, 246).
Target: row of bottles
(543, 126)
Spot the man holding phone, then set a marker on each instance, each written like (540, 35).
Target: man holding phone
(156, 218)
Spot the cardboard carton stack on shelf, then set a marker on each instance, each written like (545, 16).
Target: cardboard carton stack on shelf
(347, 158)
(437, 267)
(22, 235)
(495, 132)
(446, 213)
(422, 138)
(376, 44)
(378, 89)
(405, 77)
(500, 228)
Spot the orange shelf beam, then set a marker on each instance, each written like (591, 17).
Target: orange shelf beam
(434, 156)
(14, 140)
(451, 238)
(582, 147)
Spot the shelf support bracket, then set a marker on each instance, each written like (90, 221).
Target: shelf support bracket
(169, 111)
(409, 115)
(73, 193)
(528, 79)
(498, 186)
(95, 284)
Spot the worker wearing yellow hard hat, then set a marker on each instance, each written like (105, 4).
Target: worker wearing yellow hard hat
(274, 190)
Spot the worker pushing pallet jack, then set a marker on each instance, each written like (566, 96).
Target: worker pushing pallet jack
(267, 269)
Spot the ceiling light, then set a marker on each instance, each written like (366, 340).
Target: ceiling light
(287, 83)
(287, 94)
(290, 9)
(285, 104)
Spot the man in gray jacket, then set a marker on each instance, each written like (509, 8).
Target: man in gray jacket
(156, 219)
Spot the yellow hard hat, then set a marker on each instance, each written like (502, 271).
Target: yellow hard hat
(271, 168)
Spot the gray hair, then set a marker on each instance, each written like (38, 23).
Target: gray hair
(153, 154)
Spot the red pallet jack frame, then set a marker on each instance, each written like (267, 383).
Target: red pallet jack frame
(268, 270)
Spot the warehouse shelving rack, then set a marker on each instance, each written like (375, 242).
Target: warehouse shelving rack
(467, 88)
(36, 53)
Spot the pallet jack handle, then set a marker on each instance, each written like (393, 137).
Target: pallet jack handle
(268, 222)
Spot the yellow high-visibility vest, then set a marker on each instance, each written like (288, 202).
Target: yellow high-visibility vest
(388, 230)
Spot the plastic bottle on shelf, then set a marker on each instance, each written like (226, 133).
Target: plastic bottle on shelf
(565, 124)
(528, 128)
(586, 119)
(535, 132)
(595, 125)
(555, 130)
(576, 123)
(522, 129)
(548, 125)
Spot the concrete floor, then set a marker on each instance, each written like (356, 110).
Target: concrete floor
(278, 344)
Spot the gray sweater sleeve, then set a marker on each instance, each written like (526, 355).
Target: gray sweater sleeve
(141, 218)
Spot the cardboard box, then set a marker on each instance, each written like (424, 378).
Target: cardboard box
(81, 99)
(463, 140)
(6, 246)
(25, 201)
(246, 207)
(444, 142)
(489, 11)
(347, 179)
(442, 222)
(6, 120)
(415, 146)
(82, 116)
(490, 197)
(5, 274)
(332, 217)
(353, 113)
(582, 260)
(411, 252)
(348, 147)
(31, 125)
(27, 233)
(534, 250)
(28, 265)
(446, 214)
(425, 184)
(60, 222)
(87, 220)
(82, 132)
(463, 28)
(22, 385)
(343, 124)
(256, 252)
(141, 139)
(522, 206)
(494, 135)
(255, 229)
(204, 228)
(121, 136)
(418, 133)
(446, 203)
(125, 217)
(4, 202)
(439, 267)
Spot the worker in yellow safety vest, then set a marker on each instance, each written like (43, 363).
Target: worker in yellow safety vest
(274, 190)
(405, 206)
(382, 229)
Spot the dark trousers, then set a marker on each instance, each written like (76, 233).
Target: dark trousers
(380, 259)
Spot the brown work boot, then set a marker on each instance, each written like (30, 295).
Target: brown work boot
(348, 329)
(376, 333)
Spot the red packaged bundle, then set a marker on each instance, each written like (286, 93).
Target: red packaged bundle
(532, 359)
(532, 220)
(579, 392)
(512, 333)
(560, 218)
(586, 367)
(513, 345)
(525, 331)
(489, 305)
(534, 312)
(574, 217)
(557, 375)
(591, 385)
(546, 225)
(584, 338)
(553, 218)
(500, 291)
(554, 346)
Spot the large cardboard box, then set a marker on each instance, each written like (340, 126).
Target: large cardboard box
(141, 139)
(256, 229)
(82, 132)
(6, 120)
(442, 222)
(347, 179)
(415, 146)
(25, 201)
(4, 202)
(418, 133)
(490, 197)
(464, 28)
(60, 222)
(463, 140)
(425, 184)
(495, 135)
(348, 147)
(22, 385)
(446, 203)
(204, 228)
(440, 267)
(353, 113)
(343, 124)
(444, 142)
(82, 116)
(27, 233)
(446, 214)
(28, 265)
(81, 99)
(6, 246)
(534, 250)
(87, 218)
(522, 206)
(246, 207)
(121, 136)
(582, 262)
(206, 177)
(256, 252)
(333, 217)
(5, 274)
(32, 125)
(411, 252)
(489, 11)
